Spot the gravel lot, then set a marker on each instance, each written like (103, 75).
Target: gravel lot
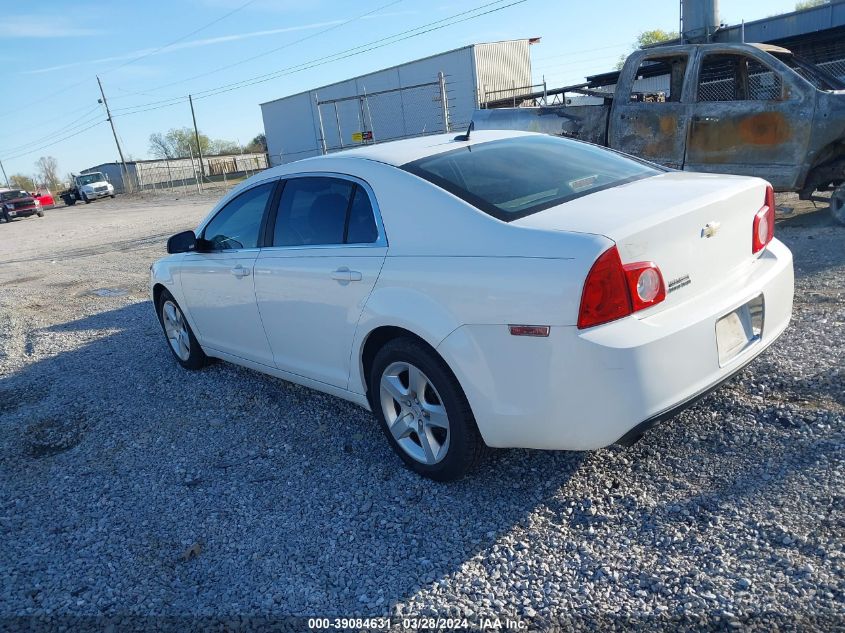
(131, 487)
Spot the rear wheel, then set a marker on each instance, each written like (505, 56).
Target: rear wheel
(423, 411)
(837, 204)
(178, 333)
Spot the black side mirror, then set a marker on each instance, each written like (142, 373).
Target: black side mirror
(183, 242)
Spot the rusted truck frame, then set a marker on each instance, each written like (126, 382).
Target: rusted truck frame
(782, 119)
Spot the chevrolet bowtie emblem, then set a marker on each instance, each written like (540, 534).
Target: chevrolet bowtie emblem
(710, 229)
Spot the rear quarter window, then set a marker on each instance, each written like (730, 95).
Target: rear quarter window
(515, 177)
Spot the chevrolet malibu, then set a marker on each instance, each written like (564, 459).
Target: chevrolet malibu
(494, 289)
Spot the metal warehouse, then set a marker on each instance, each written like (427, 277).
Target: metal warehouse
(425, 96)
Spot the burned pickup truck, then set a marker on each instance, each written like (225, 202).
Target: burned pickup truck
(748, 109)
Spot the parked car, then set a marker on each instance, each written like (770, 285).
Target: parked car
(16, 203)
(747, 109)
(504, 290)
(44, 198)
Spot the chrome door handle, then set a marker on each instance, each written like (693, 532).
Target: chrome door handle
(344, 274)
(240, 272)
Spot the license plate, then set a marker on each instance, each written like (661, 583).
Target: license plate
(739, 330)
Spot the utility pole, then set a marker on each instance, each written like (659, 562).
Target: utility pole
(197, 136)
(127, 186)
(5, 177)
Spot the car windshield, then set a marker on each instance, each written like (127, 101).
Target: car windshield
(819, 77)
(87, 179)
(14, 194)
(515, 177)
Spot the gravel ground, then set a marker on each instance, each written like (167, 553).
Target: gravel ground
(131, 487)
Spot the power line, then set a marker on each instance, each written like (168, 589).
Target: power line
(326, 59)
(362, 48)
(269, 52)
(180, 39)
(78, 122)
(56, 142)
(131, 61)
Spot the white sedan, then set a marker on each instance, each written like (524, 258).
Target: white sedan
(506, 290)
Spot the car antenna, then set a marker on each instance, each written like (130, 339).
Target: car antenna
(465, 136)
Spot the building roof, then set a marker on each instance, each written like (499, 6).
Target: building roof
(530, 40)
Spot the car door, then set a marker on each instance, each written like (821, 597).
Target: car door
(218, 283)
(748, 119)
(326, 250)
(651, 112)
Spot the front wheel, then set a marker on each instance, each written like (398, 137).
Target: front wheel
(111, 196)
(6, 216)
(423, 411)
(178, 333)
(837, 204)
(85, 199)
(40, 213)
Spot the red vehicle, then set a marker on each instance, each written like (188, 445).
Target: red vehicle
(45, 198)
(15, 203)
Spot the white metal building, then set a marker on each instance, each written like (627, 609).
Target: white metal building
(397, 102)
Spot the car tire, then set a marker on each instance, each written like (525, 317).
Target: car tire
(85, 199)
(111, 196)
(6, 216)
(837, 204)
(40, 213)
(414, 422)
(178, 333)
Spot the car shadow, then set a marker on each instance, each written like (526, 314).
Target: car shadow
(188, 492)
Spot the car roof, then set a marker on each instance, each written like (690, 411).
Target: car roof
(405, 151)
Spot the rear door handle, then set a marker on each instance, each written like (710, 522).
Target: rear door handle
(344, 274)
(240, 272)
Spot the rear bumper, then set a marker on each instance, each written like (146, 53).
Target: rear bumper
(584, 389)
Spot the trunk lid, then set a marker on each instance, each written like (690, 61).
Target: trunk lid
(665, 219)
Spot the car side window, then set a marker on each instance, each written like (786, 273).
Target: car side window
(238, 224)
(316, 210)
(660, 80)
(362, 223)
(726, 77)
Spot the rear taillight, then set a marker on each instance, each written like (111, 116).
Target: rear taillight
(763, 229)
(645, 283)
(612, 291)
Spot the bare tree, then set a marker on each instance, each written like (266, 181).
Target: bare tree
(160, 146)
(48, 171)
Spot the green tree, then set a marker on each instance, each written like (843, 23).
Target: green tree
(648, 38)
(19, 181)
(258, 144)
(219, 146)
(809, 4)
(182, 142)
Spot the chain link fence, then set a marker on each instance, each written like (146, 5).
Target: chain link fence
(187, 174)
(385, 115)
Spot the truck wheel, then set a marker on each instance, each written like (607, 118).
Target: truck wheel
(111, 196)
(40, 213)
(85, 199)
(6, 216)
(837, 204)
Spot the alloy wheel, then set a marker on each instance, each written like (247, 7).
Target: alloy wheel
(176, 329)
(414, 413)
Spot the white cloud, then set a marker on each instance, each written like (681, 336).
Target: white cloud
(209, 41)
(30, 26)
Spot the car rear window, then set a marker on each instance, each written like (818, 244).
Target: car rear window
(514, 177)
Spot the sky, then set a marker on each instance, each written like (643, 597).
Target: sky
(233, 55)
